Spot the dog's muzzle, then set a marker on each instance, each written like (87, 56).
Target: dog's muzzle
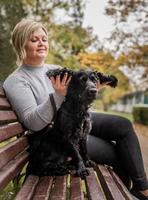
(92, 93)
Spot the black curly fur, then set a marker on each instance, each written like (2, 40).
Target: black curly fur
(50, 148)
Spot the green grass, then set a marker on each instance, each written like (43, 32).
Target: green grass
(97, 106)
(123, 114)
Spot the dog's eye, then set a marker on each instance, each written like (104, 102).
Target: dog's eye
(93, 78)
(83, 78)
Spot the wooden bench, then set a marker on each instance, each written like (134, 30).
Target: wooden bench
(102, 183)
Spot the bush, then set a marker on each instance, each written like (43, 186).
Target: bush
(140, 113)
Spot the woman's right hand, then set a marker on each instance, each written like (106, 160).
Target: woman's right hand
(60, 86)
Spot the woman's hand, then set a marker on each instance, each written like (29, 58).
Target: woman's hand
(60, 86)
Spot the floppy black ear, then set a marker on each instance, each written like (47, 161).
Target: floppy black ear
(109, 80)
(61, 72)
(114, 81)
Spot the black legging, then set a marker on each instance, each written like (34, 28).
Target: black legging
(113, 142)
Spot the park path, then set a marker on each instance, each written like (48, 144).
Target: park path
(142, 133)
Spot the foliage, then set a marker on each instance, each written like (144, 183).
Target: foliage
(125, 13)
(66, 39)
(104, 62)
(130, 35)
(140, 114)
(11, 12)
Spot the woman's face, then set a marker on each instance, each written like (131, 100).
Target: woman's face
(36, 48)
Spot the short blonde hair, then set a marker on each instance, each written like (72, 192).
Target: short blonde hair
(20, 34)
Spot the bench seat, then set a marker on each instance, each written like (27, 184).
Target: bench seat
(101, 184)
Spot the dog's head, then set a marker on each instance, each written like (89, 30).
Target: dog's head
(83, 83)
(83, 86)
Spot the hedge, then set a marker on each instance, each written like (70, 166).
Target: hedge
(140, 113)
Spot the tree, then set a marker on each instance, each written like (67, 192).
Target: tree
(130, 20)
(11, 12)
(66, 39)
(130, 35)
(105, 62)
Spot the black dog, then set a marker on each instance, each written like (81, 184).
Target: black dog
(51, 147)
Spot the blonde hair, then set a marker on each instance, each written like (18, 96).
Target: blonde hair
(20, 34)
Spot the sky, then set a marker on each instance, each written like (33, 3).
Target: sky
(94, 16)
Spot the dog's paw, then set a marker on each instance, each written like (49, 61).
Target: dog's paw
(82, 173)
(90, 163)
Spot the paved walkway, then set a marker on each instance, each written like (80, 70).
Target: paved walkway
(142, 133)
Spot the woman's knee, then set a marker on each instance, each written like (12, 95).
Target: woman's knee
(125, 126)
(101, 151)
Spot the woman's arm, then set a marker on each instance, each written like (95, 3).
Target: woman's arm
(34, 117)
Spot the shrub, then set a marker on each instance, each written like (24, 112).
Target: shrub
(140, 113)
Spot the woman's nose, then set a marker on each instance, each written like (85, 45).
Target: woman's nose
(40, 42)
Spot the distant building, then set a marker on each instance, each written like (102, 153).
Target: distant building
(125, 104)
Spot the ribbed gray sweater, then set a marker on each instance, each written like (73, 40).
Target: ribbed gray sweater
(28, 89)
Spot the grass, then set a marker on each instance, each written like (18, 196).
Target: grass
(97, 106)
(123, 114)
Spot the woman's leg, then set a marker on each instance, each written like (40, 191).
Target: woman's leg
(104, 152)
(128, 153)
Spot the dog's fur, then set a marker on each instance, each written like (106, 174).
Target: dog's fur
(51, 148)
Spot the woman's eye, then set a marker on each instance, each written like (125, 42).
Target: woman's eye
(36, 40)
(33, 40)
(44, 40)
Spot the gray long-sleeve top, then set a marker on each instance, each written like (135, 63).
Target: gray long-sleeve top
(28, 89)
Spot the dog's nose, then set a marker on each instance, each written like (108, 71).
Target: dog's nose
(92, 92)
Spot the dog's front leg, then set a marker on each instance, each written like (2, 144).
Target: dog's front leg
(84, 154)
(81, 170)
(86, 128)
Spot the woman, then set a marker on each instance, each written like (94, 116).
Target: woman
(28, 90)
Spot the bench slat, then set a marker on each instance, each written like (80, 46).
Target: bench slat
(76, 189)
(121, 186)
(59, 189)
(108, 184)
(7, 116)
(4, 104)
(9, 151)
(10, 130)
(12, 169)
(27, 191)
(43, 188)
(94, 189)
(2, 93)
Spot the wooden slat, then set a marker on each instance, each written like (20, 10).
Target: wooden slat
(10, 130)
(43, 188)
(94, 189)
(7, 116)
(76, 189)
(9, 151)
(59, 189)
(12, 169)
(4, 104)
(27, 191)
(2, 94)
(121, 186)
(109, 186)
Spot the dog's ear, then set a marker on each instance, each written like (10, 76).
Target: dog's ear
(109, 80)
(61, 72)
(113, 81)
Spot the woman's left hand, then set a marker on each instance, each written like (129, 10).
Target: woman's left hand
(61, 86)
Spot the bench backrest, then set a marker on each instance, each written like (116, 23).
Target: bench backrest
(13, 143)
